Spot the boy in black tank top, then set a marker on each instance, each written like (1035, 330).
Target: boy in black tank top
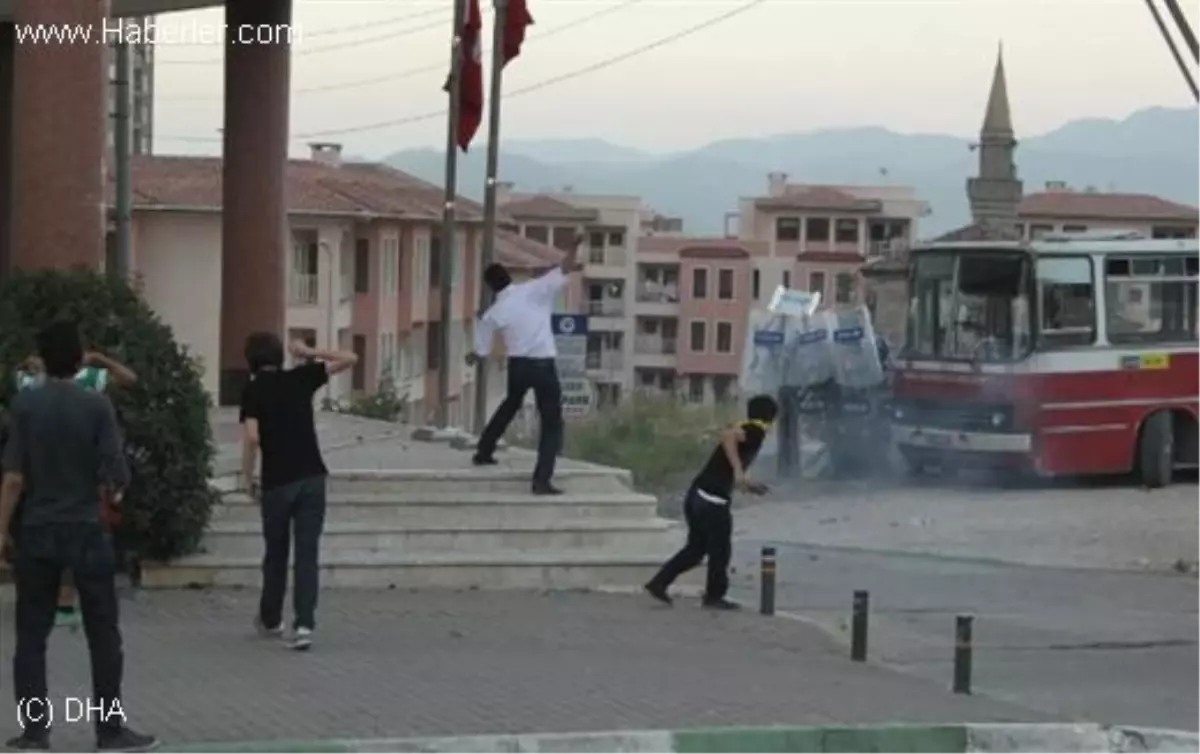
(706, 506)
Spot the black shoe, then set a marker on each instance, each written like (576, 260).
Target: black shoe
(658, 593)
(545, 488)
(479, 460)
(30, 741)
(721, 604)
(126, 739)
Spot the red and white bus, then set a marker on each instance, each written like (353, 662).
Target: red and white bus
(1067, 355)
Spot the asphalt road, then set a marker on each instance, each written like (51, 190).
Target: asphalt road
(1086, 644)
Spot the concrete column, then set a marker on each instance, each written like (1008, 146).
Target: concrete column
(254, 232)
(59, 127)
(8, 41)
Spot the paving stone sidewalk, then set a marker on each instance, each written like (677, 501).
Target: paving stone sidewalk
(396, 663)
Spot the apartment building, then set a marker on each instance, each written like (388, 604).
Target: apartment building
(609, 226)
(363, 273)
(1061, 209)
(142, 85)
(818, 237)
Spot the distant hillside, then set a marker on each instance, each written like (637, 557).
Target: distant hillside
(1153, 151)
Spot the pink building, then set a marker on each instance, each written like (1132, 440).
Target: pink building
(362, 273)
(819, 236)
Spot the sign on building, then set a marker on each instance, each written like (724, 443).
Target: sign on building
(570, 338)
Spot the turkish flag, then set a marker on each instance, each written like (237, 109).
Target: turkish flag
(470, 88)
(516, 20)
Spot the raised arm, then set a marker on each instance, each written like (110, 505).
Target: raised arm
(122, 376)
(547, 287)
(335, 361)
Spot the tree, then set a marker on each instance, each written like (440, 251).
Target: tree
(164, 417)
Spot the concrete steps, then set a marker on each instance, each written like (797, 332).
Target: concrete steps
(457, 529)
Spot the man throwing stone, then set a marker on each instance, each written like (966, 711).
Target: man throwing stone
(521, 313)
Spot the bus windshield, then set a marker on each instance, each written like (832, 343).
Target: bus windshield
(969, 305)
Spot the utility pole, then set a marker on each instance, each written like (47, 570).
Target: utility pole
(488, 252)
(123, 147)
(446, 246)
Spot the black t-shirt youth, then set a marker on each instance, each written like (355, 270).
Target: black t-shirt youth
(716, 478)
(282, 402)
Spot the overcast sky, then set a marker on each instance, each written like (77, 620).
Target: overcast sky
(783, 65)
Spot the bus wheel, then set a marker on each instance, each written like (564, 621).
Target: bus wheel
(1156, 450)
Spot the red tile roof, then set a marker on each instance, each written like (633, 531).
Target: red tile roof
(542, 207)
(817, 197)
(700, 247)
(356, 189)
(976, 232)
(835, 257)
(1104, 206)
(367, 189)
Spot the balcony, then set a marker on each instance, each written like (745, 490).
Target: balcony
(606, 257)
(610, 307)
(605, 361)
(654, 345)
(895, 248)
(303, 289)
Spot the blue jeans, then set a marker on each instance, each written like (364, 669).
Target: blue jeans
(295, 509)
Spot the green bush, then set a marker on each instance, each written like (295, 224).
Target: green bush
(385, 404)
(164, 417)
(663, 441)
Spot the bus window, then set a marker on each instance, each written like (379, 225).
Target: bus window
(1151, 300)
(1067, 302)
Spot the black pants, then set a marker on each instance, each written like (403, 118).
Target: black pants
(292, 510)
(710, 532)
(42, 553)
(540, 376)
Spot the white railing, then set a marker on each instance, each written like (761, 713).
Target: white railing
(654, 345)
(613, 307)
(658, 293)
(887, 249)
(608, 361)
(303, 290)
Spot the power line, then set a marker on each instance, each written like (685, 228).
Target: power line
(597, 66)
(309, 50)
(375, 24)
(418, 70)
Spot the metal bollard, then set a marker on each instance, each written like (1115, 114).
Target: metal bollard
(962, 653)
(858, 626)
(767, 582)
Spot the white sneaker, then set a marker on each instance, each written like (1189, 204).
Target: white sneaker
(267, 632)
(301, 639)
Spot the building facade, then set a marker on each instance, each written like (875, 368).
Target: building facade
(141, 84)
(363, 272)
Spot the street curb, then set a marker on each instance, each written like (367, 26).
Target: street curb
(953, 738)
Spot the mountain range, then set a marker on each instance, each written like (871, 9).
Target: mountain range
(1153, 151)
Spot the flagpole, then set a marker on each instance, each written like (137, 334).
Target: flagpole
(488, 252)
(446, 246)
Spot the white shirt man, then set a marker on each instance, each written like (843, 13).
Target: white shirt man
(521, 314)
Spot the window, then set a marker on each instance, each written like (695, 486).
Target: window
(1040, 231)
(1151, 299)
(362, 266)
(722, 387)
(787, 229)
(698, 336)
(724, 337)
(435, 261)
(844, 288)
(1074, 229)
(846, 230)
(1067, 301)
(358, 375)
(725, 285)
(537, 233)
(596, 240)
(390, 260)
(787, 279)
(755, 284)
(565, 239)
(816, 283)
(700, 282)
(433, 345)
(1179, 231)
(696, 388)
(616, 238)
(816, 228)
